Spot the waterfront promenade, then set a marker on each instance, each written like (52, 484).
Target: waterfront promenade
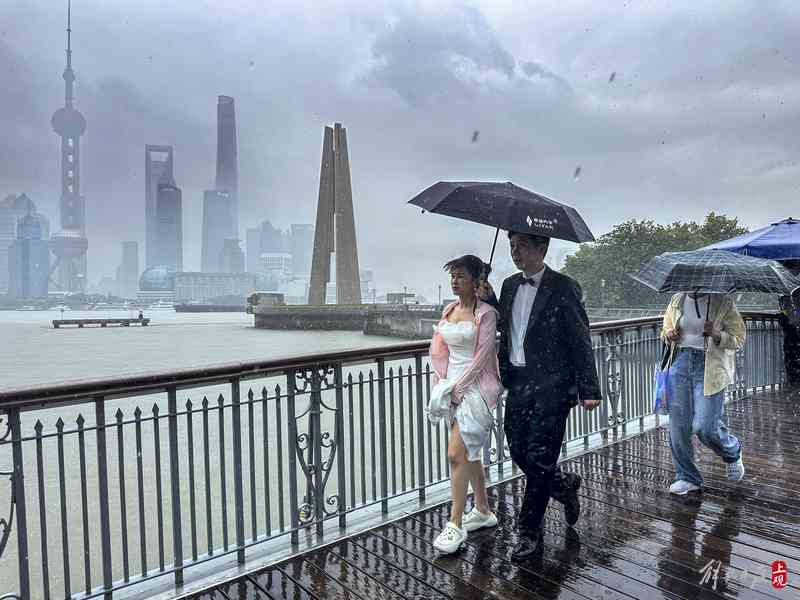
(169, 483)
(633, 539)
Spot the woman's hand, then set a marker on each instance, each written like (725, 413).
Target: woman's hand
(712, 331)
(672, 335)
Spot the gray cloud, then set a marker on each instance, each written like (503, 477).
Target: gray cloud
(702, 114)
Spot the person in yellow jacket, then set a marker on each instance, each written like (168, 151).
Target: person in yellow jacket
(705, 331)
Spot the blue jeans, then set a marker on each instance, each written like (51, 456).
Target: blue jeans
(690, 412)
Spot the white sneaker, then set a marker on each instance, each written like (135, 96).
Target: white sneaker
(475, 519)
(450, 539)
(681, 487)
(736, 470)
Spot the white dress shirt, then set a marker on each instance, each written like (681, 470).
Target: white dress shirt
(520, 315)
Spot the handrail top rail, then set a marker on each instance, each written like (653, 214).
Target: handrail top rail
(82, 390)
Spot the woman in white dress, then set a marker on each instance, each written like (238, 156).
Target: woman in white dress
(465, 392)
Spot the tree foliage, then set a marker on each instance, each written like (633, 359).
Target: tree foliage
(602, 267)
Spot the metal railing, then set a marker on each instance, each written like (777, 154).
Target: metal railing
(115, 482)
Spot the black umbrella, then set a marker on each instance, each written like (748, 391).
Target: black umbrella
(504, 206)
(714, 271)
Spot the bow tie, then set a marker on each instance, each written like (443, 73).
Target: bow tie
(531, 281)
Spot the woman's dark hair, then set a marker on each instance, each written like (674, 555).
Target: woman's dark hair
(474, 266)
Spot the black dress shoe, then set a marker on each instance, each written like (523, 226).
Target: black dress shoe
(527, 547)
(572, 505)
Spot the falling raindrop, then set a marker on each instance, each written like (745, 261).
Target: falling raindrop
(612, 77)
(252, 64)
(475, 136)
(577, 172)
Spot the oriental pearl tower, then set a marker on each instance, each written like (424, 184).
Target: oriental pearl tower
(69, 245)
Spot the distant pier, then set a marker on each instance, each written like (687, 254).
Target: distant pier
(100, 322)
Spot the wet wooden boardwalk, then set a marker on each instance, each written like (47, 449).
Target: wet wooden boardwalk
(633, 539)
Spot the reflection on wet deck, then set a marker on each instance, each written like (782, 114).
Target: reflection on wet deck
(633, 540)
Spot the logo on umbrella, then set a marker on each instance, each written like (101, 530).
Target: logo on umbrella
(529, 221)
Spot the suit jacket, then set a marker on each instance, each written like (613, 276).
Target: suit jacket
(558, 344)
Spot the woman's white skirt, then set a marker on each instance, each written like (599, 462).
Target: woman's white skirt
(472, 415)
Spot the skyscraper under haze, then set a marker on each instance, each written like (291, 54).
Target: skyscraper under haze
(217, 227)
(227, 157)
(169, 227)
(157, 170)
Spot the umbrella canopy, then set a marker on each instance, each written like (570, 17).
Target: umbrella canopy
(505, 206)
(715, 271)
(779, 241)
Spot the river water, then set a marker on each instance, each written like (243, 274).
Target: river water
(32, 352)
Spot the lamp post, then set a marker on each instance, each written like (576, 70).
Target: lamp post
(440, 294)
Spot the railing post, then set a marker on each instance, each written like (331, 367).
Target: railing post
(18, 502)
(238, 489)
(102, 485)
(382, 434)
(315, 494)
(175, 482)
(339, 446)
(292, 455)
(420, 427)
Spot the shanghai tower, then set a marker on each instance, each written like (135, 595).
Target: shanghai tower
(227, 161)
(70, 244)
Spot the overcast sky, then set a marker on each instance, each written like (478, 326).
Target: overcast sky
(702, 112)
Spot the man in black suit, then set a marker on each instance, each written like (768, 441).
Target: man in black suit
(547, 365)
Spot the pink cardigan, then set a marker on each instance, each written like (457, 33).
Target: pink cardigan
(484, 368)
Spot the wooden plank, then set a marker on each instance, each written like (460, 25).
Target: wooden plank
(386, 572)
(278, 585)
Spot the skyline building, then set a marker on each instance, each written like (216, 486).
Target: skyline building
(335, 230)
(29, 260)
(128, 270)
(217, 227)
(301, 244)
(158, 169)
(69, 245)
(12, 209)
(227, 179)
(169, 227)
(252, 249)
(232, 258)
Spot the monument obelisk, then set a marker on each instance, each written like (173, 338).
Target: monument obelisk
(335, 231)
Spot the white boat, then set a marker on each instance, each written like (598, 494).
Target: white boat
(161, 305)
(61, 307)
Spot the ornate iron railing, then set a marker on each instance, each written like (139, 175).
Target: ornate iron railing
(115, 482)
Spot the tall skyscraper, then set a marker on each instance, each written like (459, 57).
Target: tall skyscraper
(12, 209)
(335, 230)
(301, 244)
(227, 160)
(253, 249)
(169, 227)
(29, 260)
(70, 244)
(232, 258)
(217, 227)
(157, 170)
(128, 270)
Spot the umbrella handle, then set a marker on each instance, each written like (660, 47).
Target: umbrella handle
(494, 244)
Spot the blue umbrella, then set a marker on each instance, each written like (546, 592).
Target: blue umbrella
(779, 241)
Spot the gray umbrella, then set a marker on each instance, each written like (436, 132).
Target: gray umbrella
(715, 271)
